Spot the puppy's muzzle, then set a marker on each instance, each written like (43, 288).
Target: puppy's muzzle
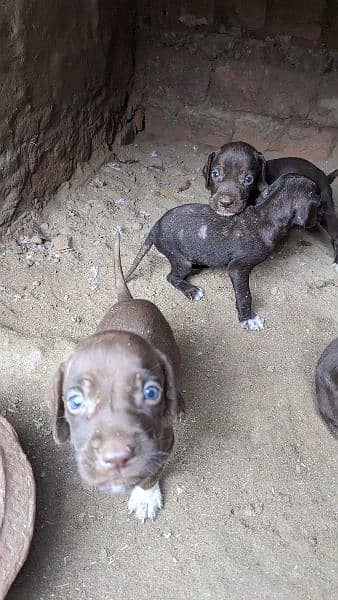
(225, 205)
(114, 453)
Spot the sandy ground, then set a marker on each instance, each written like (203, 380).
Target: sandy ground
(251, 491)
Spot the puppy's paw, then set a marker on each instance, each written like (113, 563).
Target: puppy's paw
(335, 266)
(193, 292)
(254, 324)
(146, 504)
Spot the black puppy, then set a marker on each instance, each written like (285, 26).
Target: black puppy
(236, 173)
(327, 386)
(193, 234)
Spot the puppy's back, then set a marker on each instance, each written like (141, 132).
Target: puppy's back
(139, 316)
(327, 386)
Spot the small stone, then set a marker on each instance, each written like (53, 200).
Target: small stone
(143, 213)
(117, 229)
(271, 368)
(154, 154)
(115, 166)
(120, 201)
(36, 240)
(179, 490)
(29, 259)
(165, 193)
(94, 271)
(62, 243)
(185, 186)
(98, 183)
(25, 240)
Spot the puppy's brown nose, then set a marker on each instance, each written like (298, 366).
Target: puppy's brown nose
(115, 456)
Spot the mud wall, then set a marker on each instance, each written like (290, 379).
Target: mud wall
(66, 70)
(264, 71)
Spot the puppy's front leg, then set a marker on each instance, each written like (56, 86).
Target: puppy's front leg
(146, 503)
(239, 275)
(146, 499)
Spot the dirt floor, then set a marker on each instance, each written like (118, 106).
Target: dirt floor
(251, 491)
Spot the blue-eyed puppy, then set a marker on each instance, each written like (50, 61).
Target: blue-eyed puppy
(115, 398)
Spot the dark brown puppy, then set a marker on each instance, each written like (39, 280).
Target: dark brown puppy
(327, 386)
(234, 175)
(115, 397)
(193, 234)
(236, 172)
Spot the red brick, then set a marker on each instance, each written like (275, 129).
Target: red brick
(174, 75)
(262, 132)
(301, 18)
(209, 129)
(325, 111)
(305, 142)
(266, 90)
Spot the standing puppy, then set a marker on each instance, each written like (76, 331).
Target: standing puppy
(116, 396)
(237, 172)
(193, 234)
(327, 386)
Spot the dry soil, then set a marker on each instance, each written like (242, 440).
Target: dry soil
(251, 491)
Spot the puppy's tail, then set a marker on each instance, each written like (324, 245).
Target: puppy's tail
(332, 176)
(120, 284)
(147, 244)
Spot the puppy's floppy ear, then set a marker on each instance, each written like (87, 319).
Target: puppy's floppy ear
(207, 169)
(60, 427)
(174, 400)
(261, 181)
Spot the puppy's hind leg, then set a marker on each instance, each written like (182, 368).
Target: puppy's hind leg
(180, 269)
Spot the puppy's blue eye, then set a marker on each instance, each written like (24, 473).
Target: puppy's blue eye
(75, 402)
(152, 392)
(248, 179)
(215, 173)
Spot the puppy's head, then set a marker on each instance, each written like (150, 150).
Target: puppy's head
(233, 175)
(111, 397)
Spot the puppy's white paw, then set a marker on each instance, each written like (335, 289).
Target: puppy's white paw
(255, 324)
(335, 266)
(146, 504)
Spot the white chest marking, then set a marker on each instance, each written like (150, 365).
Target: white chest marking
(202, 232)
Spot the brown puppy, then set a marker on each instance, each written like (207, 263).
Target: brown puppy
(193, 235)
(115, 397)
(327, 386)
(237, 172)
(234, 174)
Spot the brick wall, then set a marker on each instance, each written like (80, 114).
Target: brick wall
(275, 90)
